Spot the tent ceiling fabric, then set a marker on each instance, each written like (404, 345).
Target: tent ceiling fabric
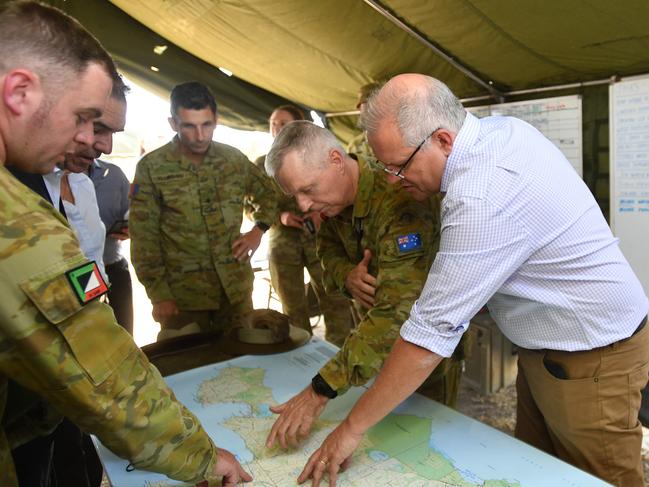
(319, 52)
(241, 104)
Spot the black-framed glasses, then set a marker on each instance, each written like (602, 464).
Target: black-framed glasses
(399, 173)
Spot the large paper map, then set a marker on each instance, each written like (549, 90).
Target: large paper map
(421, 443)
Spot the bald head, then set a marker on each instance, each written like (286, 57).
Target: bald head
(415, 105)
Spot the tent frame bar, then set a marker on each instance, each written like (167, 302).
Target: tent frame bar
(568, 86)
(385, 12)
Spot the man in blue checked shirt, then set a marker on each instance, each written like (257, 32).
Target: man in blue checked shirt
(522, 233)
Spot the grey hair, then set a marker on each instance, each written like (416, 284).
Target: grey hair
(312, 144)
(416, 112)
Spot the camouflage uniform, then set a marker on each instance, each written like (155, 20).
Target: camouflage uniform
(183, 222)
(403, 236)
(361, 148)
(75, 356)
(290, 250)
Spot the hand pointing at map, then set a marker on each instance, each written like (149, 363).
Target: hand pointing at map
(405, 369)
(296, 417)
(229, 469)
(332, 457)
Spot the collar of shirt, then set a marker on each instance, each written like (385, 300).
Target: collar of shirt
(464, 140)
(175, 155)
(95, 169)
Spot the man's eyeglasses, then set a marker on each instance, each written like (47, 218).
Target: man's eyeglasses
(399, 173)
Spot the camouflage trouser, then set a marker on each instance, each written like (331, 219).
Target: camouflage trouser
(288, 281)
(224, 318)
(443, 384)
(443, 387)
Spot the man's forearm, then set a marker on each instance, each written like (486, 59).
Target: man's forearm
(405, 369)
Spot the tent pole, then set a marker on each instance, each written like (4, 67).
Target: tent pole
(488, 85)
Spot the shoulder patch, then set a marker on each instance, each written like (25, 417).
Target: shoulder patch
(408, 242)
(133, 190)
(87, 282)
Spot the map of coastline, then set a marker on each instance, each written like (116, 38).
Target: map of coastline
(421, 443)
(381, 459)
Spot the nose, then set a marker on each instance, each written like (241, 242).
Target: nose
(103, 143)
(85, 135)
(200, 134)
(304, 203)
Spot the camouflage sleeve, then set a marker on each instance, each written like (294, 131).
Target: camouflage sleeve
(144, 228)
(401, 276)
(262, 196)
(335, 263)
(248, 208)
(80, 361)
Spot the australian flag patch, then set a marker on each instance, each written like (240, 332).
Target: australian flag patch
(408, 242)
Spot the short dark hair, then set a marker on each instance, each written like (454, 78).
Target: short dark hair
(193, 96)
(49, 42)
(295, 112)
(120, 89)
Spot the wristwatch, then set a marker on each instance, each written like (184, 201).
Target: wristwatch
(262, 226)
(321, 387)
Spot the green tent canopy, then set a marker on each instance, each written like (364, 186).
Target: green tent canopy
(317, 53)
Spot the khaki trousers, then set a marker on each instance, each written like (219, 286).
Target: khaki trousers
(582, 407)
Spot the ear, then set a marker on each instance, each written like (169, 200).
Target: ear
(173, 124)
(22, 92)
(337, 158)
(445, 139)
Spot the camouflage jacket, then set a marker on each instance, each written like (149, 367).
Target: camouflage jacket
(184, 220)
(361, 148)
(286, 244)
(74, 355)
(403, 236)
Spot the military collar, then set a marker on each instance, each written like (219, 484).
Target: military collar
(364, 189)
(175, 155)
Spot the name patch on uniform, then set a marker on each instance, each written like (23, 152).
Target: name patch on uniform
(408, 242)
(87, 282)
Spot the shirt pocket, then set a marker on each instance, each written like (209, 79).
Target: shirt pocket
(95, 340)
(181, 210)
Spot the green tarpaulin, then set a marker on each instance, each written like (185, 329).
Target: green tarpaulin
(318, 52)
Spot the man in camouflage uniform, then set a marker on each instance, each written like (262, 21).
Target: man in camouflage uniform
(56, 338)
(291, 248)
(376, 245)
(186, 213)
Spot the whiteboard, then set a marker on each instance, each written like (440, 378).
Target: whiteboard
(558, 118)
(629, 142)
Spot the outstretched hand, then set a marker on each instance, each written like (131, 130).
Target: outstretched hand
(296, 417)
(228, 468)
(332, 457)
